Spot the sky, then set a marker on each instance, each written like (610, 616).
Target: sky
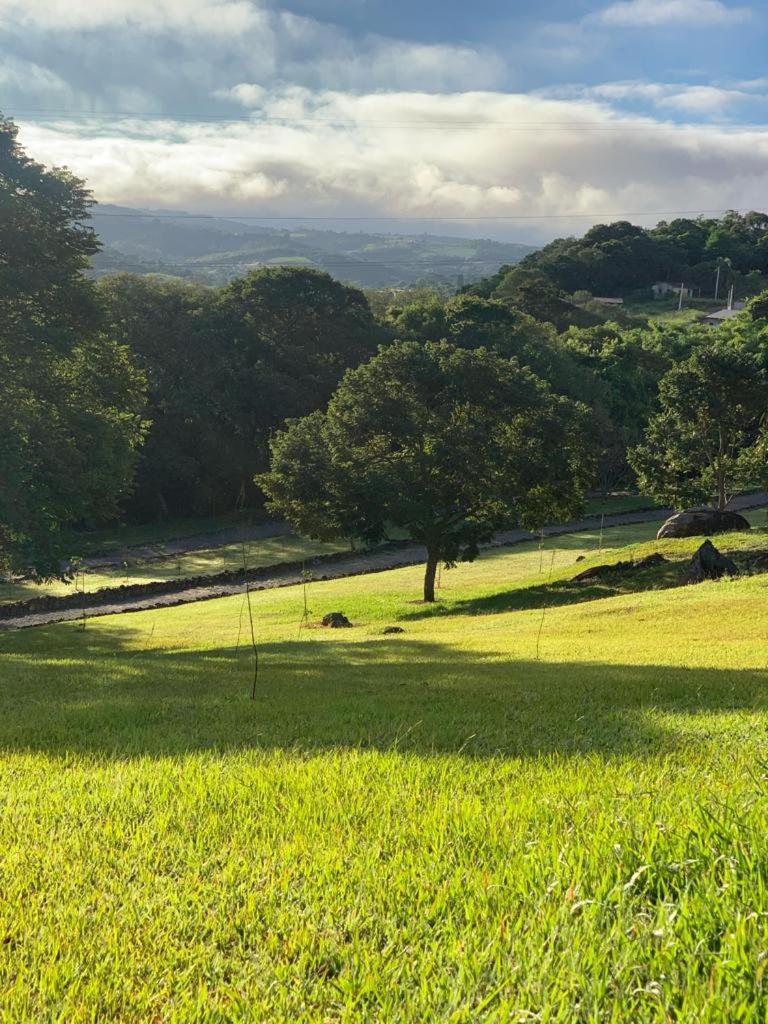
(499, 118)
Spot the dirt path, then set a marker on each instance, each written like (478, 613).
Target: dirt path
(330, 567)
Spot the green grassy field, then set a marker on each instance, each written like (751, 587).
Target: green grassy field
(268, 551)
(118, 537)
(542, 802)
(666, 311)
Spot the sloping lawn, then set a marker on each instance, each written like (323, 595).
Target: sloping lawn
(538, 803)
(257, 553)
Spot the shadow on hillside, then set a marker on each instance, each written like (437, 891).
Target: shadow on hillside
(558, 593)
(90, 695)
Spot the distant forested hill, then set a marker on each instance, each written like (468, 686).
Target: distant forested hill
(620, 259)
(215, 250)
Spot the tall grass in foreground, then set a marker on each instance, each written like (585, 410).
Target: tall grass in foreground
(429, 827)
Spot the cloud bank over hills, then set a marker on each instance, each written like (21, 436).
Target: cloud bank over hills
(236, 106)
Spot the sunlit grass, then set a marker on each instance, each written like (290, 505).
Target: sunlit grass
(228, 557)
(553, 813)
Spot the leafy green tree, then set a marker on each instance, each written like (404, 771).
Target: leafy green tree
(472, 322)
(536, 295)
(621, 258)
(686, 242)
(448, 444)
(71, 402)
(758, 307)
(625, 367)
(226, 368)
(421, 319)
(708, 438)
(310, 326)
(193, 459)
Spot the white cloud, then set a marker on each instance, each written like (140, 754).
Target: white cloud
(708, 100)
(220, 17)
(701, 100)
(218, 43)
(415, 154)
(382, 63)
(646, 13)
(37, 81)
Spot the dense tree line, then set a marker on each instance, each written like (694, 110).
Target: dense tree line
(225, 367)
(71, 400)
(447, 416)
(621, 258)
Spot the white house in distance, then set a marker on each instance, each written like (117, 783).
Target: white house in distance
(663, 288)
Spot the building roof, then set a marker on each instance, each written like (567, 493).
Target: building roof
(721, 314)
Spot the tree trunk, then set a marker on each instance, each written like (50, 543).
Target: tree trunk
(720, 472)
(722, 497)
(429, 576)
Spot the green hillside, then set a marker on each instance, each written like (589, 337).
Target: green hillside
(215, 250)
(537, 803)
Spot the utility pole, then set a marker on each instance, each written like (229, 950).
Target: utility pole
(717, 284)
(730, 296)
(680, 303)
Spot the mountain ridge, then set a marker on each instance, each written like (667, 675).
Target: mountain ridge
(216, 249)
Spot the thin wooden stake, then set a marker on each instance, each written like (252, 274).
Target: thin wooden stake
(306, 577)
(544, 609)
(253, 631)
(82, 591)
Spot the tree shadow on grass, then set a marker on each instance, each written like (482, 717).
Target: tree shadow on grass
(94, 696)
(559, 592)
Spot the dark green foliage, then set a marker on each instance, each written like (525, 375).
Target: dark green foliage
(625, 367)
(535, 295)
(471, 322)
(758, 307)
(621, 258)
(226, 368)
(614, 370)
(45, 245)
(169, 327)
(309, 327)
(70, 401)
(448, 444)
(709, 437)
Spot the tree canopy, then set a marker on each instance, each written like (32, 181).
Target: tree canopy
(71, 402)
(448, 444)
(709, 437)
(226, 367)
(621, 258)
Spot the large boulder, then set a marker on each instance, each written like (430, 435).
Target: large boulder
(701, 522)
(336, 620)
(709, 564)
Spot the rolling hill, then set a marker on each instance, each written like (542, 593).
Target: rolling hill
(214, 250)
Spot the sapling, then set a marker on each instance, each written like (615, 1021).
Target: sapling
(254, 647)
(544, 609)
